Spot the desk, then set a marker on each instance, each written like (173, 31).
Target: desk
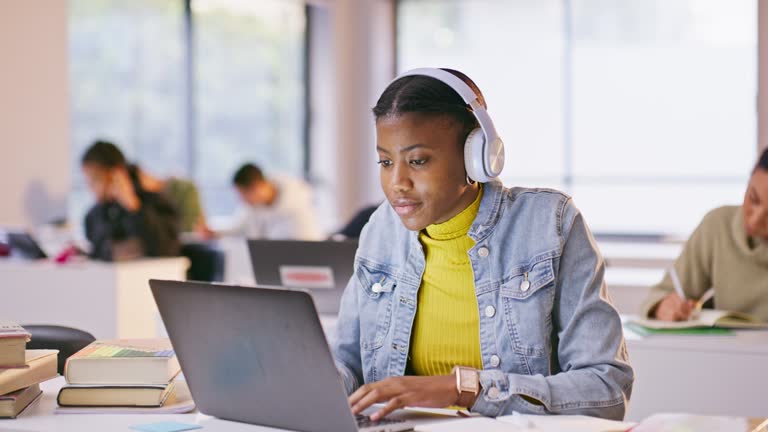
(109, 300)
(711, 375)
(40, 418)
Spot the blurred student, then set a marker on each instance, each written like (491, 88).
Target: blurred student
(729, 252)
(183, 194)
(127, 221)
(277, 208)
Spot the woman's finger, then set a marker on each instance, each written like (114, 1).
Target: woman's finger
(375, 395)
(397, 402)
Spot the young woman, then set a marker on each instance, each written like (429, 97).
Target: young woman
(727, 251)
(467, 293)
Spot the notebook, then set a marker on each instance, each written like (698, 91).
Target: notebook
(707, 318)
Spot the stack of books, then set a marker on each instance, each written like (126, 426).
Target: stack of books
(120, 373)
(21, 370)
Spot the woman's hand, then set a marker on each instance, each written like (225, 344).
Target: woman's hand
(399, 392)
(122, 191)
(674, 308)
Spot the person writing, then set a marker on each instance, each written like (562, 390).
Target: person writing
(728, 251)
(467, 293)
(126, 222)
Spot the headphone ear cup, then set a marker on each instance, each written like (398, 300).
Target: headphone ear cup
(474, 156)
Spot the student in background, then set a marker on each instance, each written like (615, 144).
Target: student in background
(127, 221)
(727, 251)
(184, 196)
(278, 208)
(455, 280)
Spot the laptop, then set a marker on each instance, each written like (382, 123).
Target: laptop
(258, 355)
(24, 245)
(321, 267)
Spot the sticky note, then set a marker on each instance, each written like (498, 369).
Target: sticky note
(165, 427)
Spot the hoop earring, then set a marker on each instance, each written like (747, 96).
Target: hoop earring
(470, 181)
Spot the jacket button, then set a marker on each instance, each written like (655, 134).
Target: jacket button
(495, 360)
(524, 286)
(376, 287)
(490, 311)
(483, 252)
(493, 392)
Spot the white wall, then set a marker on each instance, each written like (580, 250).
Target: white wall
(34, 111)
(351, 61)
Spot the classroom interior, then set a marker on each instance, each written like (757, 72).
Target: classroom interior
(648, 113)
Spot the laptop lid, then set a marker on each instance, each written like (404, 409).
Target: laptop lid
(254, 355)
(321, 267)
(24, 245)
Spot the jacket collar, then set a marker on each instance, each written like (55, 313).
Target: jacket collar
(487, 216)
(490, 209)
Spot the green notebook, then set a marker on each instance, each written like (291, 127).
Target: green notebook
(647, 331)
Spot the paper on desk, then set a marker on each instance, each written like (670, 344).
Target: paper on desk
(686, 422)
(570, 423)
(485, 424)
(165, 427)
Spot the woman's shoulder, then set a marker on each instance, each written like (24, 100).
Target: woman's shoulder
(536, 202)
(720, 214)
(719, 220)
(539, 195)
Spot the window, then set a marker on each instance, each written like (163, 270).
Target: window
(250, 86)
(128, 78)
(643, 110)
(125, 86)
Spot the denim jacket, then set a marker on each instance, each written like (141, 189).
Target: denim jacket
(547, 327)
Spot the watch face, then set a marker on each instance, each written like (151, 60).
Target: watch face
(468, 379)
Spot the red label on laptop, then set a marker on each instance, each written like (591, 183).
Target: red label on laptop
(307, 277)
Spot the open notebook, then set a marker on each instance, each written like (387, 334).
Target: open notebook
(707, 318)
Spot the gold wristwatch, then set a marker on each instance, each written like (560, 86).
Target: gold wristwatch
(467, 384)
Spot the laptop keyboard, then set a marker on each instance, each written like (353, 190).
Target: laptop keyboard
(363, 421)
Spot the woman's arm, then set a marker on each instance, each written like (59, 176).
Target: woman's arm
(693, 267)
(591, 374)
(346, 343)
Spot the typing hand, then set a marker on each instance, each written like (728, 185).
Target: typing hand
(399, 392)
(674, 308)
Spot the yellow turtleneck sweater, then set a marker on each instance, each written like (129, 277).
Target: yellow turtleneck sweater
(446, 330)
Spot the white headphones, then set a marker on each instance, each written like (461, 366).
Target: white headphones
(483, 149)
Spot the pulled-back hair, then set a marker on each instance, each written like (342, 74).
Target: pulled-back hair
(426, 95)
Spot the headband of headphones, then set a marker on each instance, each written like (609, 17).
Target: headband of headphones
(466, 93)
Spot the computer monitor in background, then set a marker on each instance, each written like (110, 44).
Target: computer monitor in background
(321, 267)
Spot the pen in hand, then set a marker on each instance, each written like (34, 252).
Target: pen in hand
(676, 283)
(695, 313)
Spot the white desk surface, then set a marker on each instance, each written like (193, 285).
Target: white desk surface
(40, 417)
(699, 374)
